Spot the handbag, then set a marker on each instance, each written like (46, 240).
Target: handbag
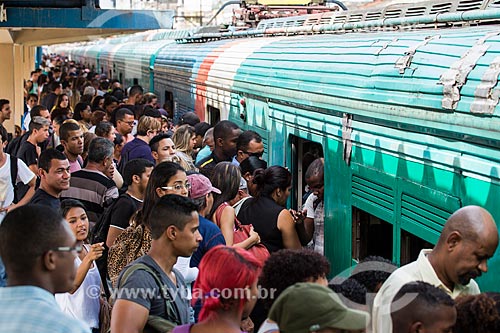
(241, 233)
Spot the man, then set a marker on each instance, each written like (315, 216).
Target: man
(469, 238)
(189, 118)
(29, 151)
(421, 307)
(174, 233)
(249, 144)
(23, 174)
(71, 136)
(147, 128)
(50, 100)
(226, 135)
(90, 185)
(311, 307)
(53, 170)
(162, 148)
(124, 122)
(31, 102)
(208, 145)
(135, 175)
(201, 129)
(313, 226)
(37, 110)
(45, 265)
(34, 80)
(201, 193)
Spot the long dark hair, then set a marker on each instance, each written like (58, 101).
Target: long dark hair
(270, 179)
(226, 178)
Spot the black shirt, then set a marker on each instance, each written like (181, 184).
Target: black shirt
(123, 209)
(43, 198)
(207, 165)
(27, 153)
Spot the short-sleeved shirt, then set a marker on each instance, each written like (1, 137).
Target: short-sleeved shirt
(419, 270)
(27, 153)
(212, 236)
(27, 309)
(146, 292)
(125, 206)
(24, 175)
(315, 211)
(136, 148)
(43, 198)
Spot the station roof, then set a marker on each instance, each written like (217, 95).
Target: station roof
(50, 25)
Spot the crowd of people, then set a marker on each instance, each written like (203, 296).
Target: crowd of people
(113, 217)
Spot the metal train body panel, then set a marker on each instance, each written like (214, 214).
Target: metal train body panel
(408, 121)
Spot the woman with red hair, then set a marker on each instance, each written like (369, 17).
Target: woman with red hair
(227, 287)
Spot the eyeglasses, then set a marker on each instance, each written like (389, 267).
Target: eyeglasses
(257, 154)
(177, 187)
(76, 249)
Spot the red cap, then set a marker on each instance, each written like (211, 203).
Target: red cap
(200, 186)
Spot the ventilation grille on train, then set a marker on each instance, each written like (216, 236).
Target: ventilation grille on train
(377, 196)
(393, 11)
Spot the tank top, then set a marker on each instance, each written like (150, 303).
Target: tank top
(82, 304)
(263, 214)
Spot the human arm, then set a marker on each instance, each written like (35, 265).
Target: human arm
(289, 235)
(94, 253)
(227, 226)
(113, 234)
(128, 317)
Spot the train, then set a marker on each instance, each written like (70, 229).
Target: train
(402, 102)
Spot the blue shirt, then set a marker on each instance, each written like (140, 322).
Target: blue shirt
(212, 236)
(27, 309)
(137, 148)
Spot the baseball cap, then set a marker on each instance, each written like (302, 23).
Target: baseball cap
(307, 307)
(200, 186)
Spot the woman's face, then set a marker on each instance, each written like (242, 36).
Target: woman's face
(64, 102)
(192, 142)
(283, 197)
(79, 222)
(177, 184)
(86, 114)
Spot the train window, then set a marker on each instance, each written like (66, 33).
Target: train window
(370, 235)
(169, 103)
(411, 246)
(213, 115)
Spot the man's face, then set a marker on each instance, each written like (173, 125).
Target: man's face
(468, 259)
(166, 149)
(41, 134)
(228, 144)
(316, 185)
(45, 114)
(57, 178)
(210, 142)
(64, 272)
(442, 320)
(254, 149)
(125, 125)
(74, 145)
(144, 178)
(6, 111)
(188, 239)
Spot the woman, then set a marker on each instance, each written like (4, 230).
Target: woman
(185, 139)
(83, 115)
(97, 103)
(248, 167)
(62, 102)
(79, 302)
(166, 178)
(226, 177)
(267, 212)
(227, 287)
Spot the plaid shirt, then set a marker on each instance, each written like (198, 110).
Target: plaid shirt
(27, 309)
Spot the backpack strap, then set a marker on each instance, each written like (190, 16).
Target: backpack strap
(13, 175)
(171, 309)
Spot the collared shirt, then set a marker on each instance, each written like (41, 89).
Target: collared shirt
(419, 270)
(33, 309)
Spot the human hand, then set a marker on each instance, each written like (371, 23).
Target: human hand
(254, 236)
(95, 251)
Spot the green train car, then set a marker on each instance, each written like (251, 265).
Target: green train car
(401, 102)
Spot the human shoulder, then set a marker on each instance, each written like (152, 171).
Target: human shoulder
(206, 161)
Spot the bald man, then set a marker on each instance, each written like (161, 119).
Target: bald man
(469, 238)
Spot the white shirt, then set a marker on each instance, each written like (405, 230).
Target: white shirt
(24, 175)
(419, 270)
(84, 303)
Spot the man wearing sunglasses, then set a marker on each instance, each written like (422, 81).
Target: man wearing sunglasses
(249, 144)
(38, 250)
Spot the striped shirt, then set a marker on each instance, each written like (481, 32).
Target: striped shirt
(27, 309)
(93, 189)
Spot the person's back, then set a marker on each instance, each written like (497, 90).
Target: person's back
(38, 269)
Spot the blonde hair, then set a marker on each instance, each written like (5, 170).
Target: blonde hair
(146, 124)
(182, 138)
